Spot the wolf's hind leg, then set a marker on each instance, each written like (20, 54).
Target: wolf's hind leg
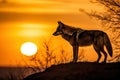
(105, 54)
(98, 52)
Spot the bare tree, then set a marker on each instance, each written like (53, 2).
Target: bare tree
(48, 56)
(110, 19)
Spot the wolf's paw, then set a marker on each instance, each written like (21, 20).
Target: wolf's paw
(73, 62)
(103, 62)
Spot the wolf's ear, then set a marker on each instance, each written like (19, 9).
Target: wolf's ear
(60, 23)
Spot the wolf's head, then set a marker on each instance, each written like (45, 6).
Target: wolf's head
(65, 29)
(59, 29)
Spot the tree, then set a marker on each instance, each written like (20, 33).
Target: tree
(110, 19)
(49, 55)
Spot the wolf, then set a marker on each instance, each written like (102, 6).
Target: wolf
(78, 37)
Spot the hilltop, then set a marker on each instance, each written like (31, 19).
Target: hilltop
(79, 71)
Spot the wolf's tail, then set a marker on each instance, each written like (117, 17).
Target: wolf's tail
(108, 44)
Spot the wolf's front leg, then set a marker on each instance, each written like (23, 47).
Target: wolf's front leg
(75, 53)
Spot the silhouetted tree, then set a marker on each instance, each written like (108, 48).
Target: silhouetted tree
(43, 58)
(48, 56)
(110, 19)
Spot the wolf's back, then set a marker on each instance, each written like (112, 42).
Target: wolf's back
(108, 44)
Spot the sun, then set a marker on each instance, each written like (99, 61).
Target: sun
(28, 48)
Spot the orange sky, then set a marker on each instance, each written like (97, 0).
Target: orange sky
(34, 20)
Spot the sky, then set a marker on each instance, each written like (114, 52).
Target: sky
(36, 20)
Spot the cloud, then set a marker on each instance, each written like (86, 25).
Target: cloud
(45, 6)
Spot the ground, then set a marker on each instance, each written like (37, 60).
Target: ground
(79, 71)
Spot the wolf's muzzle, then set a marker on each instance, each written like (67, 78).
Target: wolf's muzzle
(54, 34)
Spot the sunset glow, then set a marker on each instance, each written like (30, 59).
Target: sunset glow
(47, 6)
(29, 45)
(35, 21)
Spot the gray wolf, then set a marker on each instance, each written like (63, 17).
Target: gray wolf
(80, 37)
